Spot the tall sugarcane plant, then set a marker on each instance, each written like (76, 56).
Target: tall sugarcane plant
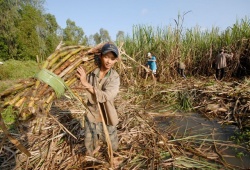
(197, 47)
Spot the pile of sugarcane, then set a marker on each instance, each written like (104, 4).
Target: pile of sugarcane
(34, 96)
(228, 101)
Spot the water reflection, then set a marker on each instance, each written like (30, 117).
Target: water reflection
(195, 127)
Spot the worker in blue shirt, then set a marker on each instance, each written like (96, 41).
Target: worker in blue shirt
(151, 63)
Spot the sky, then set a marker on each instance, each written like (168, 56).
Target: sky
(123, 15)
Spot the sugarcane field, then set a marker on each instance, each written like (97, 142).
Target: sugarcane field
(49, 134)
(194, 115)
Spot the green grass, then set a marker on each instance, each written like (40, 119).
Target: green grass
(242, 137)
(12, 71)
(9, 117)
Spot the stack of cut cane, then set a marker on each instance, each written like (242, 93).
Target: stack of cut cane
(33, 96)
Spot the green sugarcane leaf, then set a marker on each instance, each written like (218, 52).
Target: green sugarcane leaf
(53, 80)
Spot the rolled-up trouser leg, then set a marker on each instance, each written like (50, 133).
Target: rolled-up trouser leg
(112, 135)
(91, 139)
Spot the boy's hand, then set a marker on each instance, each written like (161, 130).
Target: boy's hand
(82, 75)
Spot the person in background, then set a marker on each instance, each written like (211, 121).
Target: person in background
(102, 86)
(152, 63)
(181, 68)
(221, 63)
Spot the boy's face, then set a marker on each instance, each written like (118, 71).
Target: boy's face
(108, 60)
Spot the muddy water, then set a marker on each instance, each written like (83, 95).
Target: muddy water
(194, 124)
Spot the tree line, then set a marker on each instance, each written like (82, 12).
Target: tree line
(27, 32)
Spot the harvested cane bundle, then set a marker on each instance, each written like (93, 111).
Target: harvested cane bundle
(35, 96)
(58, 73)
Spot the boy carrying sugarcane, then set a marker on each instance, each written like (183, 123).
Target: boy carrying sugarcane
(102, 87)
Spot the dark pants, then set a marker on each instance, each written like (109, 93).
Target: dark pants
(220, 73)
(181, 72)
(94, 133)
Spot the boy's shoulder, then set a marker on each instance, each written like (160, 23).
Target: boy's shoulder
(114, 72)
(95, 71)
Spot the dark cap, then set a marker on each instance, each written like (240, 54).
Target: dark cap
(108, 47)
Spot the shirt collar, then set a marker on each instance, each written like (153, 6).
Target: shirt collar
(97, 72)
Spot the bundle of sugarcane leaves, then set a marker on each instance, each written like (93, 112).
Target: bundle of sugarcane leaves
(35, 95)
(30, 100)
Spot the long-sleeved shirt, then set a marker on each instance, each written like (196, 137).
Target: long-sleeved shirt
(221, 60)
(105, 92)
(182, 65)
